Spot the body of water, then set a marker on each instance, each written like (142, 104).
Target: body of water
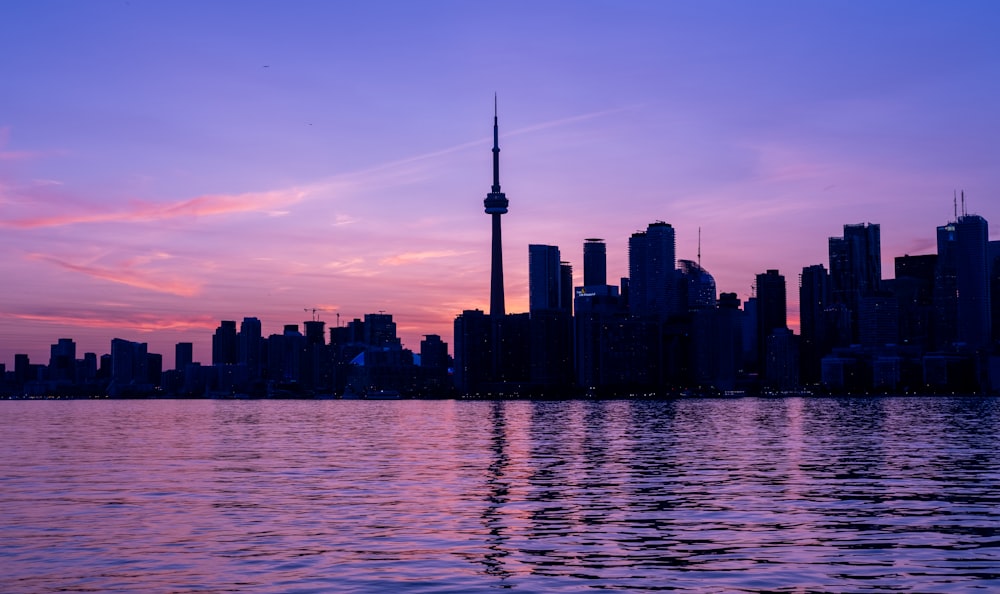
(858, 495)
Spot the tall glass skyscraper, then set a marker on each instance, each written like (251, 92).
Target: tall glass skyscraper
(652, 273)
(963, 280)
(544, 278)
(855, 268)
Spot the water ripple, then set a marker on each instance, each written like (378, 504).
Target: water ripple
(785, 495)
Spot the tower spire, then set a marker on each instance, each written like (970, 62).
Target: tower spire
(496, 148)
(496, 205)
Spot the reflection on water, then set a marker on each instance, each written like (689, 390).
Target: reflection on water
(879, 494)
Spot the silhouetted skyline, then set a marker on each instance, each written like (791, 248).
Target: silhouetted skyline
(156, 177)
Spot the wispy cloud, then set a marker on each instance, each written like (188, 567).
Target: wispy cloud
(351, 267)
(413, 257)
(145, 212)
(151, 322)
(273, 203)
(126, 274)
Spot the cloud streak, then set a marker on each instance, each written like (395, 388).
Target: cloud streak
(139, 322)
(127, 276)
(147, 212)
(414, 257)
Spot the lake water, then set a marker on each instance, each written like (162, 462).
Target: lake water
(859, 495)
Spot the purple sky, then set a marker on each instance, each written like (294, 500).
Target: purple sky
(166, 165)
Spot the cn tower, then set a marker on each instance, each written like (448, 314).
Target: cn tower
(496, 205)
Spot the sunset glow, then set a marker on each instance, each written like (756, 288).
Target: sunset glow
(166, 165)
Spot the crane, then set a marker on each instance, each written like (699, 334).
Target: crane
(313, 310)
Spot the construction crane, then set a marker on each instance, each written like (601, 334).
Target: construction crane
(313, 310)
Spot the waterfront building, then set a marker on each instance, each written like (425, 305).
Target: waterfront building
(544, 278)
(551, 331)
(993, 255)
(225, 346)
(814, 300)
(855, 269)
(771, 311)
(130, 369)
(781, 367)
(962, 293)
(914, 291)
(183, 355)
(251, 347)
(696, 287)
(652, 275)
(595, 262)
(878, 316)
(473, 351)
(62, 362)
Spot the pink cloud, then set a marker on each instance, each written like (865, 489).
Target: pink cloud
(146, 212)
(413, 257)
(140, 322)
(126, 275)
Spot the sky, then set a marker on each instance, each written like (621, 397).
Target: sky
(167, 165)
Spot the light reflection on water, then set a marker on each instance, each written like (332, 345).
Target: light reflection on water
(881, 494)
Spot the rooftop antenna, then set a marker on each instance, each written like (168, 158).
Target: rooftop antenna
(699, 247)
(963, 204)
(954, 199)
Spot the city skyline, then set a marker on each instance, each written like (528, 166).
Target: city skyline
(161, 173)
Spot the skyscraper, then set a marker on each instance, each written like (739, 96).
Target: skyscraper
(963, 287)
(496, 205)
(771, 311)
(225, 345)
(651, 264)
(855, 268)
(550, 331)
(595, 263)
(544, 278)
(814, 299)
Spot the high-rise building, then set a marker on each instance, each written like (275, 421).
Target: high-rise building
(814, 299)
(473, 351)
(697, 290)
(550, 331)
(129, 367)
(993, 250)
(544, 278)
(225, 346)
(914, 291)
(566, 287)
(62, 361)
(595, 263)
(855, 268)
(183, 355)
(251, 345)
(963, 287)
(651, 257)
(496, 205)
(771, 311)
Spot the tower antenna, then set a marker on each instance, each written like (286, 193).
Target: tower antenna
(954, 200)
(963, 204)
(699, 247)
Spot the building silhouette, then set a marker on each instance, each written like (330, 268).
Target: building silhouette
(595, 262)
(814, 304)
(855, 270)
(963, 277)
(652, 274)
(771, 313)
(496, 205)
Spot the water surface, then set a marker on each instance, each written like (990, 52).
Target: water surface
(860, 495)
